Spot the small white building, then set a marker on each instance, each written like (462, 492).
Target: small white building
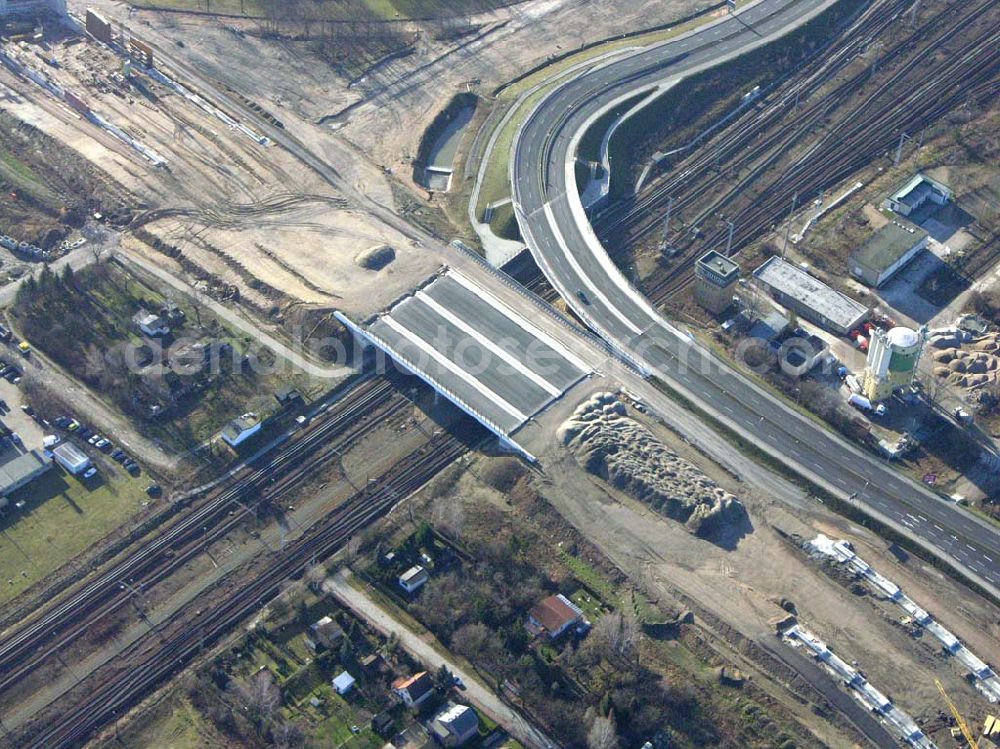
(414, 690)
(72, 458)
(240, 430)
(413, 578)
(915, 193)
(150, 324)
(344, 683)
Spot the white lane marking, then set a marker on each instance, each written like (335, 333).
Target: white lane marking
(521, 322)
(585, 279)
(536, 378)
(448, 364)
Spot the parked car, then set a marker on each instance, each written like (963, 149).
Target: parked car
(133, 468)
(119, 455)
(90, 473)
(103, 444)
(154, 490)
(24, 348)
(94, 439)
(73, 425)
(84, 433)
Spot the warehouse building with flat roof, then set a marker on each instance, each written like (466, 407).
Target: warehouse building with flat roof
(20, 470)
(809, 297)
(886, 252)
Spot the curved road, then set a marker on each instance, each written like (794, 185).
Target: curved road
(554, 225)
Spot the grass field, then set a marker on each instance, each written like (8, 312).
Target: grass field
(387, 9)
(175, 723)
(62, 517)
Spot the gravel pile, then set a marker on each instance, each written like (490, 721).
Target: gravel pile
(627, 455)
(969, 366)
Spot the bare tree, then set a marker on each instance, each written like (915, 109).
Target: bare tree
(448, 514)
(316, 574)
(603, 734)
(259, 698)
(617, 632)
(288, 736)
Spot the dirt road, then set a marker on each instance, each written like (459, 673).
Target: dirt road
(422, 649)
(332, 372)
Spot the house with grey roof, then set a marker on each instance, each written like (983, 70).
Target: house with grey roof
(455, 725)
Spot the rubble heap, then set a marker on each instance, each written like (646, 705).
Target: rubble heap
(626, 454)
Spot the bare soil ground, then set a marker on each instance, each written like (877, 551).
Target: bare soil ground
(237, 212)
(746, 586)
(384, 111)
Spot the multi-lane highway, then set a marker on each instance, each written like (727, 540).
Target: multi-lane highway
(554, 225)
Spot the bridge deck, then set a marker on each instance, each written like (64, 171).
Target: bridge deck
(487, 358)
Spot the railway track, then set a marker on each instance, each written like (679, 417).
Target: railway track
(357, 413)
(178, 643)
(840, 152)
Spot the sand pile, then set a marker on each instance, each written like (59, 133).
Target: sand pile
(626, 454)
(376, 258)
(969, 366)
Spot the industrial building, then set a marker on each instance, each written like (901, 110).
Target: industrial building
(715, 280)
(19, 470)
(801, 353)
(886, 252)
(241, 429)
(892, 361)
(32, 7)
(916, 193)
(809, 297)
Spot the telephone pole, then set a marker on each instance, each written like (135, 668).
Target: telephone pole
(729, 239)
(665, 245)
(788, 224)
(903, 137)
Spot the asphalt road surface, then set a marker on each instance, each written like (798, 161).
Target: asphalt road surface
(562, 242)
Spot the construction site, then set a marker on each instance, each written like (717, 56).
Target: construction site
(408, 441)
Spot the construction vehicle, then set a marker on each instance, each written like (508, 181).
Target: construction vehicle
(959, 720)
